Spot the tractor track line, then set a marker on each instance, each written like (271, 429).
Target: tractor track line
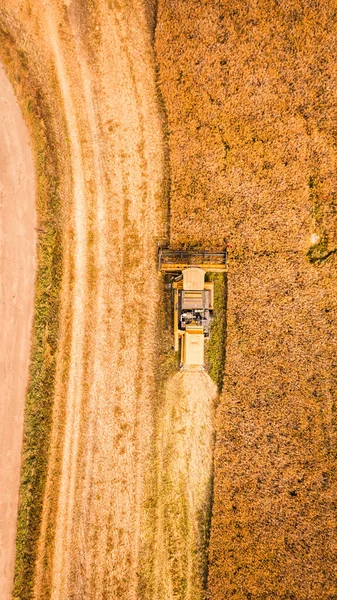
(74, 395)
(101, 269)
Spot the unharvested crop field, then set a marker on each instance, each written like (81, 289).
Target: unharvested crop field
(250, 93)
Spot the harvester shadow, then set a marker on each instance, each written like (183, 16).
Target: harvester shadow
(216, 348)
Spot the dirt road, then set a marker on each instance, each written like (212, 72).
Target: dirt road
(17, 272)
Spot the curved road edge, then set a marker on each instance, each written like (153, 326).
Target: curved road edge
(17, 276)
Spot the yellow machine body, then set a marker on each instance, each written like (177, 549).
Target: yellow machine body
(192, 346)
(192, 296)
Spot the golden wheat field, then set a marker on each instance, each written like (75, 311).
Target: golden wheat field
(205, 123)
(250, 93)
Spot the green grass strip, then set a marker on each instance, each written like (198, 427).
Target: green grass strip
(40, 392)
(216, 346)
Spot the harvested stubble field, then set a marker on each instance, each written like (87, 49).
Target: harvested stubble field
(184, 487)
(250, 92)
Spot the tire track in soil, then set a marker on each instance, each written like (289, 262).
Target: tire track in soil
(75, 384)
(83, 574)
(98, 216)
(99, 308)
(71, 361)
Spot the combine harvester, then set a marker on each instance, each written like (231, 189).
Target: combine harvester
(192, 298)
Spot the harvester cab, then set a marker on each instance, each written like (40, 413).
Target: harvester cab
(192, 298)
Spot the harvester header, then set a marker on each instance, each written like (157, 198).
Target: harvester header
(192, 298)
(173, 261)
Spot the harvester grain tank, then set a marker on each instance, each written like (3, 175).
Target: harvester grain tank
(192, 298)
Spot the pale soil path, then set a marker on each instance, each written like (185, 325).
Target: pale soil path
(76, 367)
(17, 273)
